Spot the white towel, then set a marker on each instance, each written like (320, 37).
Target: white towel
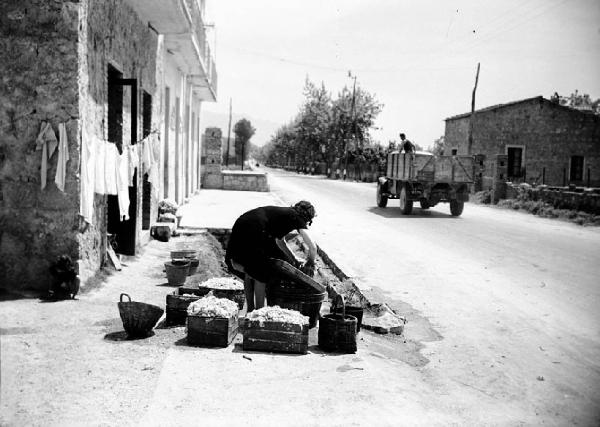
(153, 176)
(87, 175)
(99, 175)
(123, 184)
(134, 161)
(63, 157)
(46, 141)
(110, 168)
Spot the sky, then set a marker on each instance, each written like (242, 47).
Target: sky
(419, 58)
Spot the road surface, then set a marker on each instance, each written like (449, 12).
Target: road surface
(505, 304)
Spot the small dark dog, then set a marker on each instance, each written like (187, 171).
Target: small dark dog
(64, 282)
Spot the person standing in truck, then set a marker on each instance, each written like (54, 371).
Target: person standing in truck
(406, 145)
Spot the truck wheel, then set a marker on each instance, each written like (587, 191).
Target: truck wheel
(456, 207)
(381, 199)
(405, 204)
(424, 204)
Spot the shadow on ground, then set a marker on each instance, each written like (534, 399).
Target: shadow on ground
(394, 212)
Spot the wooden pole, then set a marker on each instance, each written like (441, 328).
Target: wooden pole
(470, 139)
(228, 136)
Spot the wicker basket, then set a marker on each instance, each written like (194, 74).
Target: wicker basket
(138, 318)
(337, 332)
(177, 271)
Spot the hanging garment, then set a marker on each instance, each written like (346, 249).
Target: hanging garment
(46, 141)
(87, 174)
(110, 168)
(123, 184)
(153, 177)
(134, 161)
(99, 175)
(63, 157)
(147, 157)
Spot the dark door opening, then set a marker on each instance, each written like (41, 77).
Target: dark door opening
(576, 170)
(123, 230)
(146, 185)
(515, 159)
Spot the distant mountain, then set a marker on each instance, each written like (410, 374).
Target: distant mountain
(264, 128)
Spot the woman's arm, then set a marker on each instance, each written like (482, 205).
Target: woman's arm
(312, 248)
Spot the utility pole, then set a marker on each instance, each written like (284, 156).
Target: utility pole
(353, 124)
(470, 139)
(228, 136)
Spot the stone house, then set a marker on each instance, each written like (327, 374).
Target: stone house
(533, 140)
(121, 82)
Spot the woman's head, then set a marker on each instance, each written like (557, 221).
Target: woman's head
(306, 211)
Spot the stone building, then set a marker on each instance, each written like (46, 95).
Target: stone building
(122, 83)
(533, 140)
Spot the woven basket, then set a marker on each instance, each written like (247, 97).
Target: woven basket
(337, 332)
(138, 318)
(177, 271)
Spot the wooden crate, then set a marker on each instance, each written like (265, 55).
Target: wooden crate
(177, 306)
(211, 331)
(275, 337)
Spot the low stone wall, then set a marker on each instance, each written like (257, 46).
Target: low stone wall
(580, 199)
(245, 181)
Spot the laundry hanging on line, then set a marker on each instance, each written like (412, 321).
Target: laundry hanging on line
(46, 141)
(63, 157)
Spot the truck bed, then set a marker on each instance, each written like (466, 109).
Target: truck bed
(426, 167)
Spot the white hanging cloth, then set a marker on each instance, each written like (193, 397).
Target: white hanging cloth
(110, 168)
(123, 184)
(63, 157)
(46, 141)
(99, 175)
(87, 175)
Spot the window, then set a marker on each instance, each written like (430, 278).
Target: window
(454, 151)
(576, 171)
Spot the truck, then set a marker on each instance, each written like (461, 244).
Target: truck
(428, 179)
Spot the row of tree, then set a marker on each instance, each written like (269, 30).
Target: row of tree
(325, 128)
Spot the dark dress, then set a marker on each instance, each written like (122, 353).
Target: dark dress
(252, 240)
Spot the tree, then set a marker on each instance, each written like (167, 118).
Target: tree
(578, 101)
(324, 125)
(243, 132)
(438, 146)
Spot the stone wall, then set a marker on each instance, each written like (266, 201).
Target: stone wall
(38, 47)
(54, 69)
(245, 181)
(111, 33)
(579, 199)
(549, 133)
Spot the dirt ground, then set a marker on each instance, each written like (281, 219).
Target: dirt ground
(71, 363)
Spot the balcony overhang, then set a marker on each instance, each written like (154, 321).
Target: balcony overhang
(203, 87)
(165, 16)
(172, 19)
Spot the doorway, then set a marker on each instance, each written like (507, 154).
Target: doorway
(124, 231)
(146, 185)
(515, 162)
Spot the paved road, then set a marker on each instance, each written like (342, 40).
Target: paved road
(505, 303)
